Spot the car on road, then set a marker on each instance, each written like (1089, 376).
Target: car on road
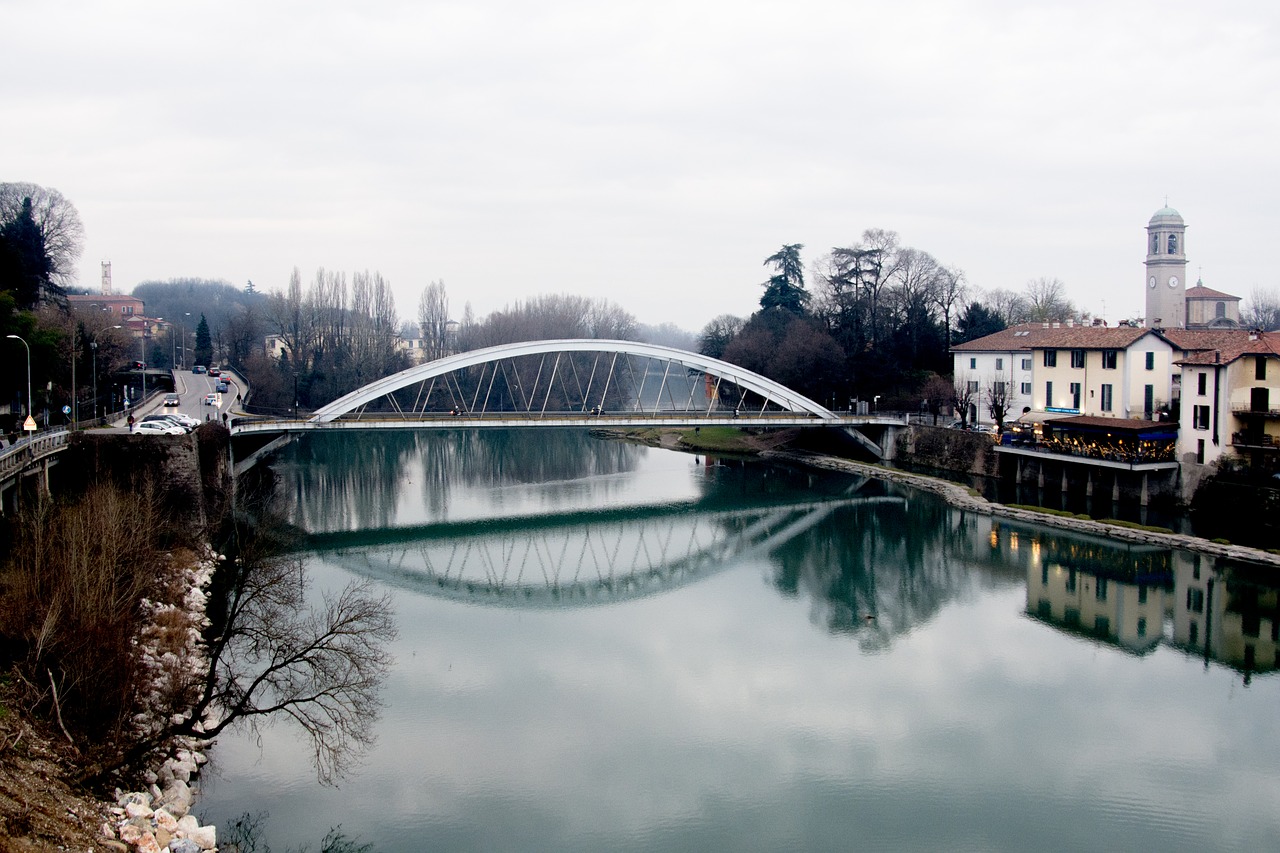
(160, 427)
(169, 419)
(223, 388)
(213, 371)
(211, 399)
(199, 368)
(171, 400)
(184, 420)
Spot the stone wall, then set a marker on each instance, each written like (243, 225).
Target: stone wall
(191, 473)
(952, 450)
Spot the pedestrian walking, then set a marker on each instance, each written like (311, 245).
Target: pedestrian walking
(130, 423)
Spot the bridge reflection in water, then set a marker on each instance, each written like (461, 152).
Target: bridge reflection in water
(575, 559)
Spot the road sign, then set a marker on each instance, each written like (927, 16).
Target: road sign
(29, 424)
(66, 410)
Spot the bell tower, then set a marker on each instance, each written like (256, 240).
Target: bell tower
(1166, 268)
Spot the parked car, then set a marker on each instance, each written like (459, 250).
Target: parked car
(160, 427)
(184, 420)
(171, 400)
(168, 419)
(211, 399)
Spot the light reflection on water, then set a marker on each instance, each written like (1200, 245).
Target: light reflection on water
(888, 679)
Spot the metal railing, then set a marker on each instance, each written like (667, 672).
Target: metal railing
(27, 451)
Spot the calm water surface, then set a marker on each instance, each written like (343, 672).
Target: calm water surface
(608, 647)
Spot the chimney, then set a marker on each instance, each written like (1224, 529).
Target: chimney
(1057, 325)
(1217, 356)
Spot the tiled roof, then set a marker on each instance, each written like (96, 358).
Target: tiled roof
(1029, 336)
(1011, 339)
(1090, 337)
(1221, 346)
(1202, 292)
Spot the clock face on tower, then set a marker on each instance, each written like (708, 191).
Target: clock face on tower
(1173, 281)
(1151, 282)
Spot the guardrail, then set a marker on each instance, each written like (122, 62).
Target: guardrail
(27, 451)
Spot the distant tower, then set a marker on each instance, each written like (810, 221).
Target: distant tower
(106, 278)
(1166, 270)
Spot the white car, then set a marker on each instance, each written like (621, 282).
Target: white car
(158, 428)
(186, 420)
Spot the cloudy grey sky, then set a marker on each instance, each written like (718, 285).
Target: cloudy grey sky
(651, 153)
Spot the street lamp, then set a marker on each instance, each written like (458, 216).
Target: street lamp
(183, 325)
(28, 346)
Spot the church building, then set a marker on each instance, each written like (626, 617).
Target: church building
(1170, 303)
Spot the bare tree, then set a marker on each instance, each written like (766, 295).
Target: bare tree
(321, 666)
(1262, 311)
(718, 333)
(433, 320)
(1047, 300)
(963, 392)
(58, 221)
(1012, 308)
(997, 394)
(949, 290)
(291, 316)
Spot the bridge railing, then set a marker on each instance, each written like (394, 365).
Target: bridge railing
(29, 450)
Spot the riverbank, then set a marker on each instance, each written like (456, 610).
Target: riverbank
(774, 445)
(41, 806)
(965, 498)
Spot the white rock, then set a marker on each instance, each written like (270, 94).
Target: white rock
(138, 810)
(205, 836)
(166, 821)
(188, 824)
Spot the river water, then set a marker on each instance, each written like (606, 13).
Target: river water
(609, 647)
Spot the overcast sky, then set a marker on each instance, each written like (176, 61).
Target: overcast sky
(650, 153)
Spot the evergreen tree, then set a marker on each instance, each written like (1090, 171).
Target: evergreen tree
(204, 343)
(24, 263)
(785, 289)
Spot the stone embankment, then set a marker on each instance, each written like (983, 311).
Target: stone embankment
(159, 818)
(962, 497)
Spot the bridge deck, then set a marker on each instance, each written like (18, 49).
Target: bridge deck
(517, 420)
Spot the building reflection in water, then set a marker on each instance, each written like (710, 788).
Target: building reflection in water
(1139, 597)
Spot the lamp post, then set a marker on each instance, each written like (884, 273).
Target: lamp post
(183, 325)
(28, 346)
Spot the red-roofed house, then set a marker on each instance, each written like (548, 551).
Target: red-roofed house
(1230, 396)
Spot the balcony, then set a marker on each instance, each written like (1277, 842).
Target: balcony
(1242, 410)
(1254, 441)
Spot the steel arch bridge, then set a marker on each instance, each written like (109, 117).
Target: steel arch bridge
(577, 383)
(578, 560)
(500, 364)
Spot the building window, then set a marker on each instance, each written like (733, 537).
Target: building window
(972, 385)
(1142, 593)
(1048, 394)
(1108, 359)
(1260, 368)
(1151, 361)
(1200, 417)
(1202, 383)
(1155, 244)
(1025, 389)
(1051, 358)
(1075, 395)
(1106, 398)
(1148, 400)
(1195, 600)
(1026, 364)
(1100, 590)
(1199, 451)
(999, 364)
(998, 389)
(1220, 309)
(1194, 636)
(1077, 358)
(1173, 244)
(973, 364)
(1142, 627)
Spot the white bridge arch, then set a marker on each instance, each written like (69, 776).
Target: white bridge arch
(770, 393)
